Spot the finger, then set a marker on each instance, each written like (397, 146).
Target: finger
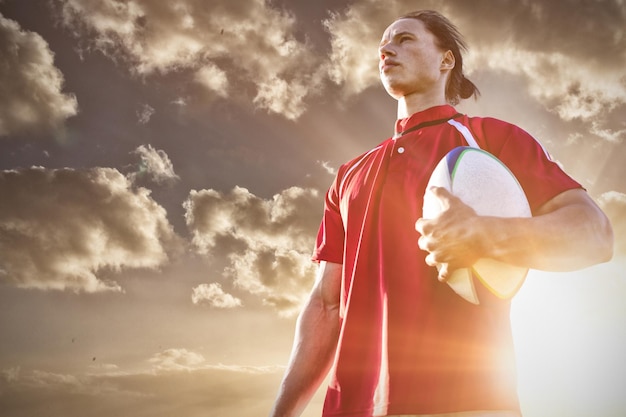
(422, 243)
(419, 226)
(444, 272)
(423, 226)
(443, 195)
(430, 260)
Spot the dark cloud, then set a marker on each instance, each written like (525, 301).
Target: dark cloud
(30, 84)
(60, 228)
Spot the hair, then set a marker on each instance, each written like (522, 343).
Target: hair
(448, 38)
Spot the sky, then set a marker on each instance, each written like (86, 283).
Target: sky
(162, 173)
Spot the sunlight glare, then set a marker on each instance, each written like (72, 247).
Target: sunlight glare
(569, 351)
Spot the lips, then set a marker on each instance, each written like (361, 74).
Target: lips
(388, 64)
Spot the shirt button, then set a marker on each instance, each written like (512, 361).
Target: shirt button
(400, 149)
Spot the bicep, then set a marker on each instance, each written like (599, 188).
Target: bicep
(574, 197)
(327, 288)
(574, 210)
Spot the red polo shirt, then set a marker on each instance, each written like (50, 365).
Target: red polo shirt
(409, 344)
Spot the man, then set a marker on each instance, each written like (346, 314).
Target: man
(398, 340)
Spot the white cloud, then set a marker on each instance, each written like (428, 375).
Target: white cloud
(250, 40)
(227, 46)
(155, 164)
(11, 374)
(214, 295)
(177, 360)
(30, 84)
(183, 387)
(608, 134)
(43, 383)
(213, 78)
(355, 35)
(267, 242)
(328, 168)
(63, 229)
(568, 86)
(144, 114)
(571, 59)
(282, 96)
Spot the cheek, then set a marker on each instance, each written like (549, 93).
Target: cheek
(428, 59)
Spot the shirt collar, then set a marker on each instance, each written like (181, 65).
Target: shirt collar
(433, 113)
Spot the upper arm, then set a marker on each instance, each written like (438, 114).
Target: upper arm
(577, 210)
(576, 196)
(327, 288)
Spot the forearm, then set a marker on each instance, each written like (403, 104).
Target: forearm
(312, 355)
(317, 332)
(570, 237)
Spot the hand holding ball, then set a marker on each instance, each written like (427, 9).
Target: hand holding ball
(485, 184)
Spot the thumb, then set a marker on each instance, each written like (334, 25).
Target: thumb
(444, 271)
(443, 195)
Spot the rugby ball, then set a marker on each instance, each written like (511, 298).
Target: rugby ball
(485, 184)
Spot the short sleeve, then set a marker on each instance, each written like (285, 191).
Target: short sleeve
(329, 245)
(541, 177)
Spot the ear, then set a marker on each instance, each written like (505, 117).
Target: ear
(447, 61)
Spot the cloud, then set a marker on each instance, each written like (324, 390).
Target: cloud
(267, 242)
(210, 391)
(144, 114)
(155, 164)
(67, 385)
(571, 88)
(571, 58)
(228, 47)
(610, 135)
(355, 35)
(213, 79)
(68, 229)
(214, 295)
(181, 359)
(11, 374)
(328, 168)
(30, 84)
(614, 205)
(251, 41)
(176, 360)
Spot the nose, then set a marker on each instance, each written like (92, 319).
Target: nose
(385, 51)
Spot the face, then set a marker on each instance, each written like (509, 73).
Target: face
(410, 60)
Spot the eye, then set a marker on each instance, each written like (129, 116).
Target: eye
(404, 38)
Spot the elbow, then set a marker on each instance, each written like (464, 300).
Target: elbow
(608, 243)
(604, 240)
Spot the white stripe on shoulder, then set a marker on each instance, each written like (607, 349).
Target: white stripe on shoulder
(465, 132)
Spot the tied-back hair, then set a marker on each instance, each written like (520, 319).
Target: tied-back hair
(448, 38)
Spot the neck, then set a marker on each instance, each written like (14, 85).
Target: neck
(413, 103)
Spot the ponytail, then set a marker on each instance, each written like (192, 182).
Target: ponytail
(468, 89)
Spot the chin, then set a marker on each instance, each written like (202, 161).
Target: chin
(395, 93)
(392, 90)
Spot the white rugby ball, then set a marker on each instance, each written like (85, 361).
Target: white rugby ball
(485, 184)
